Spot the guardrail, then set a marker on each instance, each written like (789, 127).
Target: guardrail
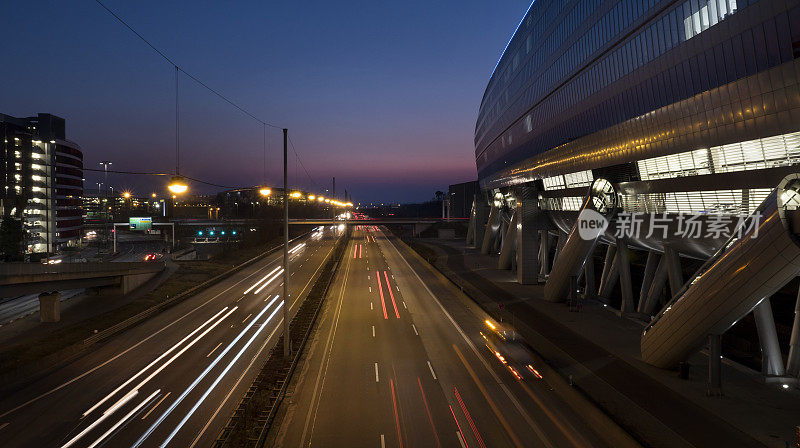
(133, 320)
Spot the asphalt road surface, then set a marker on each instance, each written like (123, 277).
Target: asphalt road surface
(173, 380)
(391, 366)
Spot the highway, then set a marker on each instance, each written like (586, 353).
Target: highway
(393, 364)
(173, 380)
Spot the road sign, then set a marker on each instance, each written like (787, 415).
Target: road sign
(141, 223)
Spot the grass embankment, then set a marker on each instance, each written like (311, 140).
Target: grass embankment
(188, 275)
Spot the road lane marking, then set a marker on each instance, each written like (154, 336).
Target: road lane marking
(164, 355)
(383, 441)
(431, 369)
(373, 331)
(428, 410)
(491, 402)
(370, 305)
(459, 433)
(105, 415)
(156, 405)
(370, 289)
(415, 329)
(469, 418)
(126, 351)
(191, 387)
(248, 317)
(236, 384)
(474, 350)
(391, 294)
(125, 418)
(383, 302)
(396, 415)
(377, 379)
(212, 351)
(322, 372)
(404, 304)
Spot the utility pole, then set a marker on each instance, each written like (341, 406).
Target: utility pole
(287, 346)
(333, 198)
(104, 208)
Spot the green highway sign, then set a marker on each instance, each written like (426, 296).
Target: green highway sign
(141, 223)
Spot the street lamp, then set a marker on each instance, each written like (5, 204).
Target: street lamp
(126, 195)
(265, 191)
(178, 185)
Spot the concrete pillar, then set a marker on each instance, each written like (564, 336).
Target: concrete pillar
(588, 274)
(50, 306)
(771, 358)
(714, 384)
(610, 274)
(528, 217)
(560, 242)
(471, 226)
(544, 252)
(509, 243)
(793, 363)
(500, 235)
(481, 215)
(674, 272)
(656, 288)
(626, 284)
(650, 267)
(492, 227)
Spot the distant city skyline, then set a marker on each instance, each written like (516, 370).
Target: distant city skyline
(385, 100)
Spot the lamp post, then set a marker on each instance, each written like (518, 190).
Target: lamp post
(105, 164)
(287, 346)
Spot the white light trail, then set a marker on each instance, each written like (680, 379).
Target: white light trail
(262, 279)
(278, 274)
(219, 377)
(202, 375)
(164, 355)
(125, 418)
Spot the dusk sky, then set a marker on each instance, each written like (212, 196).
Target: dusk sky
(382, 95)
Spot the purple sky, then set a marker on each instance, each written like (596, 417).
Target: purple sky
(382, 95)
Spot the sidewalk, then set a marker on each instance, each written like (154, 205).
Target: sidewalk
(600, 352)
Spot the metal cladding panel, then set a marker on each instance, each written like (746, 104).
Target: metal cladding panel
(682, 126)
(753, 268)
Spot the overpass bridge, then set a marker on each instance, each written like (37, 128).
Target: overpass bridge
(47, 279)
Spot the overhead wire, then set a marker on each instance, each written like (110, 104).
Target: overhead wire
(203, 84)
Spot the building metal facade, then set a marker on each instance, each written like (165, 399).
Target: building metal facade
(42, 181)
(663, 108)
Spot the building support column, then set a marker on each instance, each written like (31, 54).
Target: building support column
(481, 216)
(771, 358)
(653, 258)
(50, 307)
(714, 384)
(544, 253)
(793, 363)
(471, 226)
(528, 225)
(508, 250)
(674, 271)
(492, 227)
(626, 283)
(656, 287)
(588, 275)
(610, 273)
(560, 242)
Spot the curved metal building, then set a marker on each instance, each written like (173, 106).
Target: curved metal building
(684, 107)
